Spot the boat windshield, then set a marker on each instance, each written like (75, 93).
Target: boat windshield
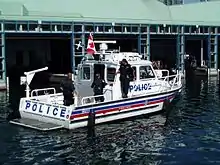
(111, 74)
(146, 72)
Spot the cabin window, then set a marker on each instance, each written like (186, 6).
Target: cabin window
(146, 72)
(111, 74)
(85, 72)
(134, 72)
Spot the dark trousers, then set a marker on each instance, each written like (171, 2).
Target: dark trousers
(68, 100)
(124, 87)
(100, 98)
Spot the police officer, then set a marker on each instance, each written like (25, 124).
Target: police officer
(68, 89)
(98, 85)
(126, 75)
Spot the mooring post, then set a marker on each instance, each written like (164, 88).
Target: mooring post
(72, 49)
(182, 49)
(3, 62)
(148, 43)
(139, 43)
(91, 119)
(91, 123)
(209, 51)
(216, 52)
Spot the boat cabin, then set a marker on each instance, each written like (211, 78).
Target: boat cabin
(107, 67)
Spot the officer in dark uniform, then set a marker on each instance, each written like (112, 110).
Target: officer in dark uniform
(126, 75)
(98, 85)
(68, 89)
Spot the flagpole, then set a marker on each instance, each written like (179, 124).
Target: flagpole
(83, 40)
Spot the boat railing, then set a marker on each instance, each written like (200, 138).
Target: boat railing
(170, 81)
(89, 99)
(159, 72)
(56, 99)
(43, 91)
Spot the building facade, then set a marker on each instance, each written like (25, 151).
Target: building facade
(142, 19)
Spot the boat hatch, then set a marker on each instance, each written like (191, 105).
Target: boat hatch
(35, 124)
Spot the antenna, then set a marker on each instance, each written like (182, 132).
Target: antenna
(106, 42)
(103, 46)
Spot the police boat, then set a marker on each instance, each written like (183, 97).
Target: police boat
(43, 109)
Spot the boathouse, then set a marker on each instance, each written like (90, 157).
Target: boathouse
(46, 32)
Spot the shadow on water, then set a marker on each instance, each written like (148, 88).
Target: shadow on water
(191, 136)
(195, 85)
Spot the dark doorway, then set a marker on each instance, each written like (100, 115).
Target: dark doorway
(163, 48)
(19, 58)
(39, 51)
(60, 56)
(193, 48)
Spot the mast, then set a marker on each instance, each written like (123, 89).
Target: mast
(103, 47)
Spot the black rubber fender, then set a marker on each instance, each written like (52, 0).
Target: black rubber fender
(91, 118)
(166, 104)
(167, 109)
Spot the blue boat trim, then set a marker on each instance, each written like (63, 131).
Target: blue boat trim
(117, 105)
(126, 99)
(114, 114)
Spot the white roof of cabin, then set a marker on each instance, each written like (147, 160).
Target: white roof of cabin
(133, 63)
(115, 58)
(142, 62)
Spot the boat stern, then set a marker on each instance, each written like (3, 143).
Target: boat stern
(35, 111)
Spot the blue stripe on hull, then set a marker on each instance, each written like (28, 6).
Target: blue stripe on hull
(119, 105)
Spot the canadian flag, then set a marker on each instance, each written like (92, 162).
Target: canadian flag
(91, 46)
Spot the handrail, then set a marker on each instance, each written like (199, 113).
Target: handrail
(162, 70)
(111, 90)
(89, 97)
(51, 95)
(176, 80)
(43, 89)
(165, 79)
(107, 90)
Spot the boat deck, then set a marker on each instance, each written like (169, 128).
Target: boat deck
(35, 124)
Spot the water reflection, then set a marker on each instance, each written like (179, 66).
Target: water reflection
(196, 85)
(128, 141)
(190, 136)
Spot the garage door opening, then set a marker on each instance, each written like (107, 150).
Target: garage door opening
(163, 49)
(197, 48)
(34, 52)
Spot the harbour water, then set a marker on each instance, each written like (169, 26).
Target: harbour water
(189, 135)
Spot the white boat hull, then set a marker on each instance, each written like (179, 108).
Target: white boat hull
(135, 107)
(76, 117)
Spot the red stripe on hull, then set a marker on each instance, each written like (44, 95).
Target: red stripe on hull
(108, 110)
(119, 108)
